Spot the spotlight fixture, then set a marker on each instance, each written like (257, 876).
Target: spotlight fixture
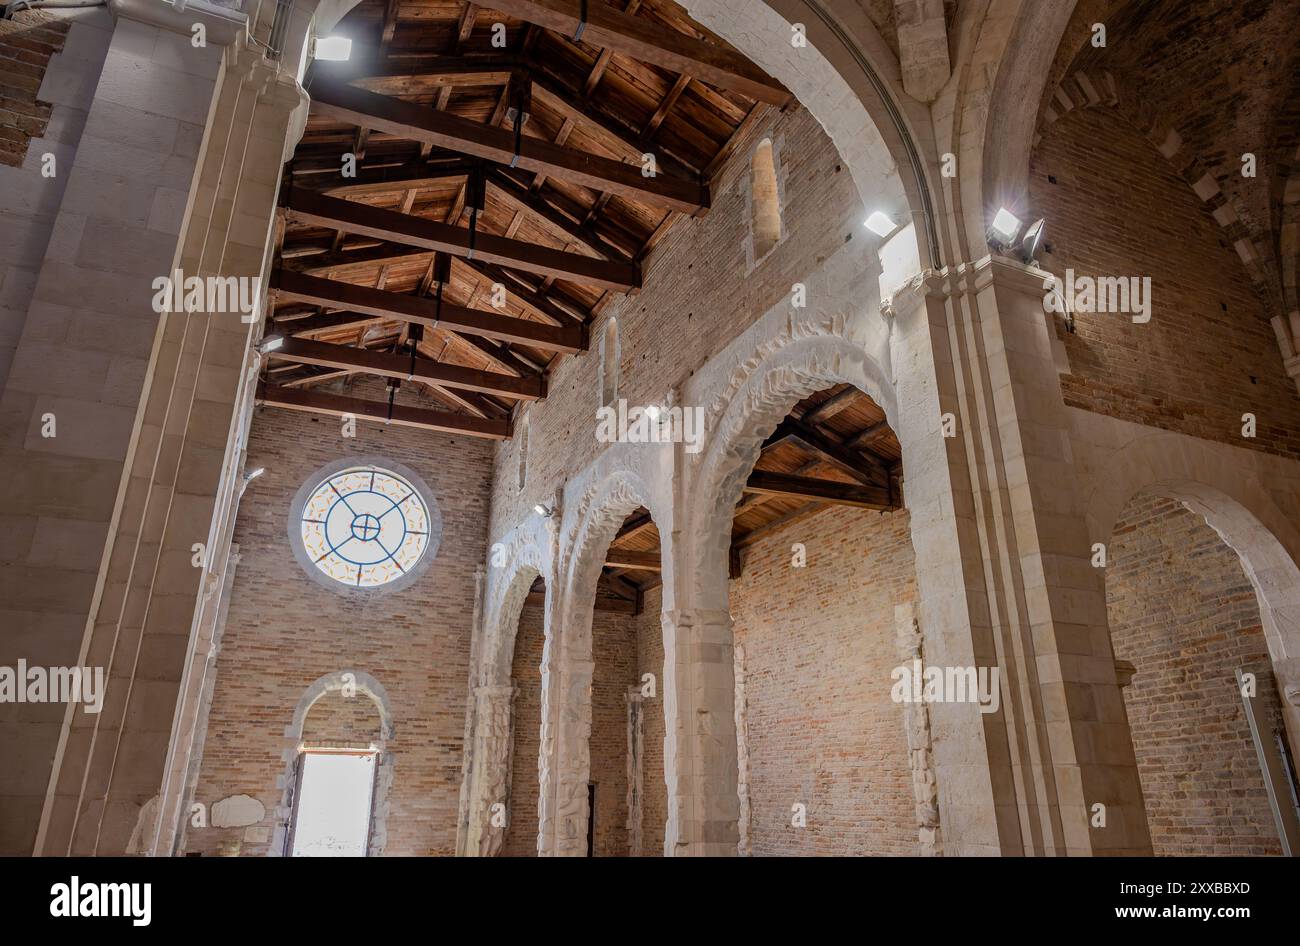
(1032, 241)
(543, 510)
(333, 48)
(1005, 229)
(880, 224)
(270, 343)
(250, 475)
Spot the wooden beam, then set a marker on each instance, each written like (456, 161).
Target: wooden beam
(321, 210)
(520, 197)
(319, 402)
(544, 305)
(347, 103)
(412, 175)
(637, 561)
(645, 40)
(395, 305)
(862, 468)
(780, 522)
(612, 132)
(802, 487)
(388, 365)
(331, 322)
(871, 433)
(383, 254)
(831, 406)
(537, 599)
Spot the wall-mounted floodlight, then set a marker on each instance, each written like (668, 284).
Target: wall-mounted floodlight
(270, 343)
(1005, 229)
(1033, 240)
(333, 48)
(543, 510)
(250, 475)
(880, 224)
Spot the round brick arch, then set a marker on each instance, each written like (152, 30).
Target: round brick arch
(1238, 507)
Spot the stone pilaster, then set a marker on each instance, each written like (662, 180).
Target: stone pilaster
(181, 469)
(700, 748)
(920, 742)
(1003, 568)
(492, 753)
(635, 770)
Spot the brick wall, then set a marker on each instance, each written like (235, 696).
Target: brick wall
(336, 721)
(26, 44)
(650, 659)
(1183, 612)
(1208, 355)
(819, 647)
(284, 630)
(526, 671)
(697, 298)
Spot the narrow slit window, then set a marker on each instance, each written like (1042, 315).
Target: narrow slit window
(766, 200)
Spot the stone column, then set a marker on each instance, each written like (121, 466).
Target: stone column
(492, 752)
(635, 770)
(148, 617)
(1002, 560)
(700, 748)
(566, 753)
(745, 823)
(920, 742)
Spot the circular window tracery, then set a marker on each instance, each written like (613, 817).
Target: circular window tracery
(365, 526)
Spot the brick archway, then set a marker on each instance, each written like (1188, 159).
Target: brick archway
(1242, 510)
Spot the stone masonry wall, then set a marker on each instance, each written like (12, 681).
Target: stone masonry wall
(1183, 612)
(819, 647)
(284, 630)
(1115, 207)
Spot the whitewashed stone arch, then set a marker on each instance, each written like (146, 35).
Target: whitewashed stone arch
(612, 491)
(849, 80)
(367, 686)
(525, 555)
(761, 392)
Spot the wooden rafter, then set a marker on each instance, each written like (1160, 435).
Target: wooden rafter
(348, 103)
(650, 42)
(320, 402)
(387, 365)
(394, 305)
(317, 209)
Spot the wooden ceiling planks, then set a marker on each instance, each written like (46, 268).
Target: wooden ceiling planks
(425, 102)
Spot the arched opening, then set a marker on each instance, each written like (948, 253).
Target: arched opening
(337, 775)
(337, 782)
(628, 648)
(1185, 620)
(820, 560)
(618, 587)
(765, 200)
(521, 815)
